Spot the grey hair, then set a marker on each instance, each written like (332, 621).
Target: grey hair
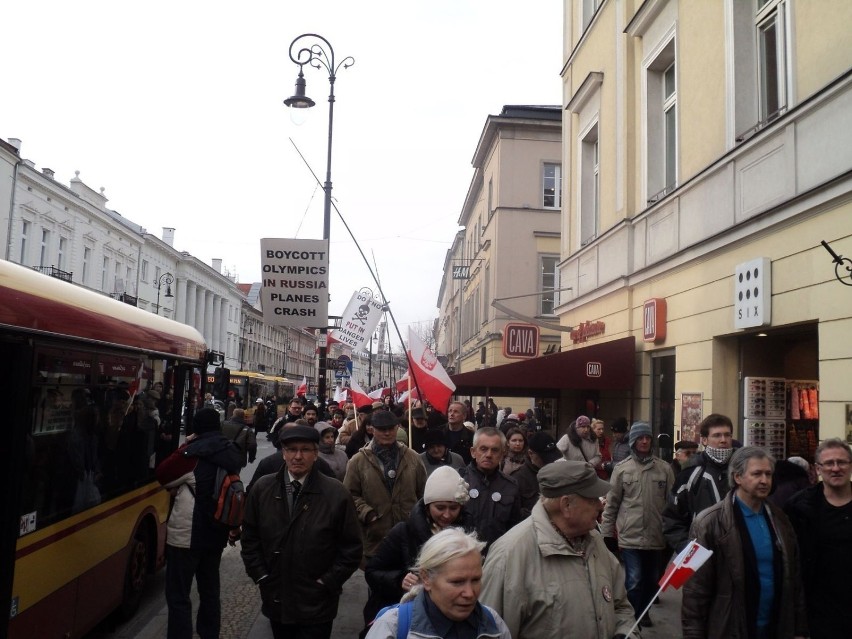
(440, 549)
(489, 431)
(833, 442)
(740, 458)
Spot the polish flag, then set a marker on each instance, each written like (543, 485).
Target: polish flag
(402, 383)
(685, 565)
(340, 394)
(434, 383)
(359, 396)
(136, 385)
(377, 394)
(303, 387)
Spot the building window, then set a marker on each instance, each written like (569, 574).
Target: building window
(44, 253)
(547, 283)
(61, 253)
(490, 197)
(590, 185)
(104, 271)
(771, 58)
(661, 124)
(157, 276)
(552, 186)
(25, 232)
(589, 8)
(87, 258)
(486, 295)
(144, 273)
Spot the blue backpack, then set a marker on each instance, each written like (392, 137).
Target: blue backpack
(403, 624)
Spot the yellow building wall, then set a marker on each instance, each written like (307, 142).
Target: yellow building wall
(819, 26)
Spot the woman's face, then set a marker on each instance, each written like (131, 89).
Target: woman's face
(455, 588)
(444, 513)
(516, 443)
(598, 429)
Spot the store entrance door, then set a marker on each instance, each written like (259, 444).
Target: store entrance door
(663, 402)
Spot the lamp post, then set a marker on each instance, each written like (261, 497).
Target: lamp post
(318, 53)
(167, 279)
(248, 322)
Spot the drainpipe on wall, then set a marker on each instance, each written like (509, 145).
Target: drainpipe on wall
(12, 210)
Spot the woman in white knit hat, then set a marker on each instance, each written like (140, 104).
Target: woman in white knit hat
(442, 506)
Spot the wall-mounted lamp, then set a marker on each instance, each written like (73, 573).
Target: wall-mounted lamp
(842, 266)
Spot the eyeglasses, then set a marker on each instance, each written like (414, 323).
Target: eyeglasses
(303, 451)
(834, 463)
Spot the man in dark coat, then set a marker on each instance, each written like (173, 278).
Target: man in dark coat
(301, 540)
(195, 538)
(495, 501)
(541, 451)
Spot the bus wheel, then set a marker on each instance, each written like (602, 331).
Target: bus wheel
(136, 573)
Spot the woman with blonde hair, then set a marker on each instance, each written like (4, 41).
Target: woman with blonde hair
(450, 574)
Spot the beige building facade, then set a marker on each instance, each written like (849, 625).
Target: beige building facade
(707, 150)
(509, 245)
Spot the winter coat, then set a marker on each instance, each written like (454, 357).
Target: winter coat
(635, 504)
(191, 470)
(397, 554)
(715, 598)
(544, 589)
(527, 479)
(449, 459)
(243, 436)
(576, 448)
(463, 444)
(365, 480)
(787, 479)
(495, 502)
(274, 462)
(287, 553)
(698, 486)
(336, 459)
(385, 627)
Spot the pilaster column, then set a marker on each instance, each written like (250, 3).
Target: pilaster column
(181, 301)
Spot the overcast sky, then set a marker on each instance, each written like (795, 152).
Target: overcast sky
(176, 109)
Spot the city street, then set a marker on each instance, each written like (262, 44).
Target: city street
(241, 618)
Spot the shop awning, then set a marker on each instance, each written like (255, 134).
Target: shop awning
(606, 366)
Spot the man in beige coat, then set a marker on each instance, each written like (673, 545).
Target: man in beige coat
(385, 478)
(551, 575)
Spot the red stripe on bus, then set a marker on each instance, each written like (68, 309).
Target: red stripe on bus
(84, 524)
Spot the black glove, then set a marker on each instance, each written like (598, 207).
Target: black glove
(611, 544)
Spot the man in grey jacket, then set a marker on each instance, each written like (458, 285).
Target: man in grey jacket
(634, 507)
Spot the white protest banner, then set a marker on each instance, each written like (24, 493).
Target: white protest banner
(295, 282)
(359, 320)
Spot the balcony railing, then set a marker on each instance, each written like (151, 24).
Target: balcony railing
(54, 272)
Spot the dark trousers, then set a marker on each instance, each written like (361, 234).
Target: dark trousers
(182, 564)
(300, 631)
(641, 572)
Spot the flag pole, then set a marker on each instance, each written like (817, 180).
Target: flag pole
(410, 403)
(650, 603)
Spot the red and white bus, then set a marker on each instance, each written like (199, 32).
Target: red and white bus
(83, 518)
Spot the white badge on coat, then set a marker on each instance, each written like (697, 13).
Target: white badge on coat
(474, 493)
(496, 496)
(391, 474)
(607, 593)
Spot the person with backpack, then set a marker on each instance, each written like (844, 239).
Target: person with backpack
(445, 600)
(242, 435)
(195, 538)
(300, 541)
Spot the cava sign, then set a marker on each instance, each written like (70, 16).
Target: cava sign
(295, 282)
(520, 341)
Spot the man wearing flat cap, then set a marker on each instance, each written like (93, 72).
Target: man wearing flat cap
(300, 540)
(552, 575)
(385, 478)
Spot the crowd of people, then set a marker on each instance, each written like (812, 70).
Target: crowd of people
(467, 526)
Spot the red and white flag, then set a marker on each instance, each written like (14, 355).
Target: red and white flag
(435, 385)
(378, 393)
(403, 399)
(402, 383)
(685, 565)
(359, 395)
(303, 387)
(340, 394)
(136, 385)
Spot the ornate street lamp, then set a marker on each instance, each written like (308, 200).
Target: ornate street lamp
(167, 279)
(317, 52)
(842, 266)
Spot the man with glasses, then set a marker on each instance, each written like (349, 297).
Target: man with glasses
(300, 540)
(702, 484)
(822, 518)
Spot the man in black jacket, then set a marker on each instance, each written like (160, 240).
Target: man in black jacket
(702, 484)
(822, 518)
(195, 538)
(542, 450)
(301, 540)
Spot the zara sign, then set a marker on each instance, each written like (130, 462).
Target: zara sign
(520, 341)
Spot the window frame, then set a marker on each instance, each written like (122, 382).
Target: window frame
(556, 186)
(589, 191)
(544, 258)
